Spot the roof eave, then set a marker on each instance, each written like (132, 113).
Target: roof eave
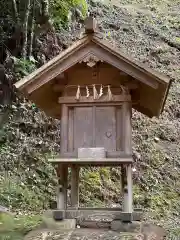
(161, 78)
(165, 97)
(24, 82)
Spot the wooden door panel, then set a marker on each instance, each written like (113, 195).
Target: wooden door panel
(95, 126)
(119, 128)
(105, 128)
(83, 126)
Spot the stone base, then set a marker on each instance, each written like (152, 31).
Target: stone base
(149, 231)
(125, 217)
(116, 227)
(58, 215)
(51, 223)
(90, 233)
(115, 213)
(125, 227)
(94, 224)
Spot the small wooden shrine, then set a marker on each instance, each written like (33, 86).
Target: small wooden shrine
(92, 87)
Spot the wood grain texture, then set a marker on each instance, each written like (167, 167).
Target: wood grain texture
(105, 128)
(92, 161)
(83, 126)
(103, 99)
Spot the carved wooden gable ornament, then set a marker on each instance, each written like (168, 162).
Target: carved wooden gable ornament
(93, 62)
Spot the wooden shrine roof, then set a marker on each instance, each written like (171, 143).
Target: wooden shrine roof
(91, 45)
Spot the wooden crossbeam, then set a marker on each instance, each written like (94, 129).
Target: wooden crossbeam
(103, 99)
(92, 161)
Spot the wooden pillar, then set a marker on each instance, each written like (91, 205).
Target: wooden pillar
(62, 170)
(64, 128)
(126, 177)
(62, 187)
(129, 188)
(126, 170)
(75, 186)
(126, 128)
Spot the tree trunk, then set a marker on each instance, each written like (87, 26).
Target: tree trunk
(32, 30)
(25, 29)
(16, 12)
(45, 8)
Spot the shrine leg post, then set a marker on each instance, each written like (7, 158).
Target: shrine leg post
(62, 173)
(75, 186)
(126, 176)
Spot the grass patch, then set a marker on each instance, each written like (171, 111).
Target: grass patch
(16, 228)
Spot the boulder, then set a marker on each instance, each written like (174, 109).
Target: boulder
(4, 209)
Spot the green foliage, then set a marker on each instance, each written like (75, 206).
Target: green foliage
(91, 182)
(60, 10)
(23, 67)
(178, 39)
(18, 194)
(14, 194)
(26, 223)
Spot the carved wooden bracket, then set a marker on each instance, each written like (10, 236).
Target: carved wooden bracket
(91, 60)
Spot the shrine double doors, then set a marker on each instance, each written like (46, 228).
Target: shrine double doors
(94, 126)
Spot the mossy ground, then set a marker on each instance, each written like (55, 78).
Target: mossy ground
(15, 228)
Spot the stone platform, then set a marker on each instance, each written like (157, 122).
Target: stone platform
(94, 229)
(82, 234)
(90, 234)
(97, 213)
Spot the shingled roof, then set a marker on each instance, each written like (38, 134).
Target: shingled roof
(152, 96)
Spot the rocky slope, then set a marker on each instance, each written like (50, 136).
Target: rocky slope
(150, 32)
